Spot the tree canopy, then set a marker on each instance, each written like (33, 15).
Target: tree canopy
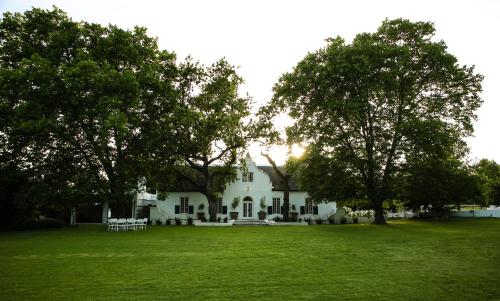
(74, 97)
(207, 131)
(373, 105)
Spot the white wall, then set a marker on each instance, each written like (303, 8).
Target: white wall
(261, 187)
(476, 213)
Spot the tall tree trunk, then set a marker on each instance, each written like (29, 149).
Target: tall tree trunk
(379, 213)
(286, 204)
(105, 207)
(212, 207)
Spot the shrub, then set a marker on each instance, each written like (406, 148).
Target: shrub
(355, 219)
(278, 219)
(219, 219)
(331, 220)
(343, 221)
(204, 219)
(190, 220)
(300, 220)
(168, 222)
(308, 220)
(319, 221)
(158, 222)
(235, 202)
(178, 221)
(201, 207)
(225, 219)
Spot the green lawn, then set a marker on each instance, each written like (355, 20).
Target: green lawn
(405, 260)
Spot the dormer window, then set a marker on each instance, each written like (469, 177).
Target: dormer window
(247, 177)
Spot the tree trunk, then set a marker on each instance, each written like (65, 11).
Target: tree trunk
(72, 218)
(286, 205)
(212, 207)
(379, 213)
(105, 207)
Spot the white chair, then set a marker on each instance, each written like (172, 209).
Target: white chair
(139, 224)
(130, 225)
(113, 224)
(121, 224)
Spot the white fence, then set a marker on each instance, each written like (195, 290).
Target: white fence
(476, 213)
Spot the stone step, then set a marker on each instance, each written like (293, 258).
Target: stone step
(250, 222)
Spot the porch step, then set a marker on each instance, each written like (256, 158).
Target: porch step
(250, 222)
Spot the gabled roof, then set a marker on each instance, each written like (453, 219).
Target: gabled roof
(276, 179)
(182, 185)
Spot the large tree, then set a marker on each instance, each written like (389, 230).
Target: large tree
(78, 94)
(366, 104)
(489, 176)
(208, 130)
(439, 183)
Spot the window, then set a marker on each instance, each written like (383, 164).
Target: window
(247, 177)
(184, 205)
(276, 206)
(309, 207)
(219, 205)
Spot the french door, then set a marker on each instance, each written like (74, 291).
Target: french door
(247, 209)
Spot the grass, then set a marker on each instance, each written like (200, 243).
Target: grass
(406, 260)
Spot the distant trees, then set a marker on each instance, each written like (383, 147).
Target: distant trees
(367, 107)
(488, 172)
(440, 183)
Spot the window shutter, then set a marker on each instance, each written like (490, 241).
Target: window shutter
(269, 209)
(224, 209)
(191, 209)
(281, 209)
(177, 209)
(315, 208)
(302, 210)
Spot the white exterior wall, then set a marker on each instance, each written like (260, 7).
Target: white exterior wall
(476, 213)
(256, 190)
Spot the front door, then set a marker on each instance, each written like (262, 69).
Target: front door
(247, 208)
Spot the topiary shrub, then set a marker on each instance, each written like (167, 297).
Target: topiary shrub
(343, 221)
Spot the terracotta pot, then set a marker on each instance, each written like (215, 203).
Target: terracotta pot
(234, 215)
(262, 215)
(294, 216)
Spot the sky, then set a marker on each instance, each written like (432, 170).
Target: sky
(267, 38)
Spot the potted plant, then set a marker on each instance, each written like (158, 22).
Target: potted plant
(294, 215)
(262, 212)
(234, 204)
(201, 214)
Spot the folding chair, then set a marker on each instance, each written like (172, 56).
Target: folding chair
(113, 225)
(130, 225)
(121, 224)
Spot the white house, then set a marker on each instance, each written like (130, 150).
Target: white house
(256, 184)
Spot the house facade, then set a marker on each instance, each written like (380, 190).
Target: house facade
(257, 184)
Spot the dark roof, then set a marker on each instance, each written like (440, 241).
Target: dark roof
(276, 180)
